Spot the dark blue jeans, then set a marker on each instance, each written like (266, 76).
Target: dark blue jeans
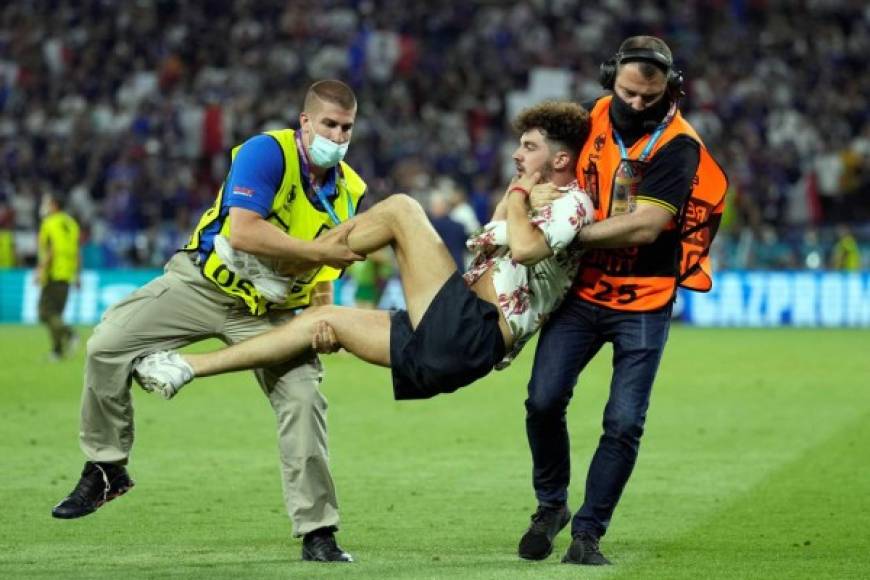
(569, 340)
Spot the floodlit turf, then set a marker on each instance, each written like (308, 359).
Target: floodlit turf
(755, 465)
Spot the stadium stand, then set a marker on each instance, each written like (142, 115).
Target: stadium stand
(130, 108)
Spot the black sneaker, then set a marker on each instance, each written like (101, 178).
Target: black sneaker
(99, 483)
(584, 550)
(537, 542)
(320, 546)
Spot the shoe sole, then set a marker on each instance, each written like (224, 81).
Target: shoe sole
(100, 504)
(307, 557)
(566, 560)
(583, 561)
(155, 386)
(536, 557)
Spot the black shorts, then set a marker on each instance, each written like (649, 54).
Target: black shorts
(457, 342)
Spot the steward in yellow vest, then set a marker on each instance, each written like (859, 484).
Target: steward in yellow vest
(57, 268)
(283, 189)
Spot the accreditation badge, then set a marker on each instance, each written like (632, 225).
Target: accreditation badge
(626, 182)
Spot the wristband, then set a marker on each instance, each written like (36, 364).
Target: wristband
(521, 189)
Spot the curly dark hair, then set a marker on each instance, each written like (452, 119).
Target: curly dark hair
(561, 121)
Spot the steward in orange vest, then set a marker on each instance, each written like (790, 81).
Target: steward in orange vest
(646, 277)
(658, 199)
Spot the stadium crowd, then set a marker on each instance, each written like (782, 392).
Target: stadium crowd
(129, 109)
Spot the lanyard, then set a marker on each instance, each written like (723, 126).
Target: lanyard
(328, 190)
(623, 153)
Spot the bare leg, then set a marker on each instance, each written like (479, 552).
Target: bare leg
(424, 265)
(365, 333)
(424, 262)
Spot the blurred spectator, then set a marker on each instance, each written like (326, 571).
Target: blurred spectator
(772, 253)
(370, 275)
(131, 107)
(460, 210)
(451, 231)
(812, 252)
(480, 199)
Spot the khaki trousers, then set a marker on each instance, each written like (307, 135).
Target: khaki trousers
(176, 309)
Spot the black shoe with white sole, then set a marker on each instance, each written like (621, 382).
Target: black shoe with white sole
(320, 546)
(99, 483)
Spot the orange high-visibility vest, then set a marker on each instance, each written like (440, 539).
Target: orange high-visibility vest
(645, 278)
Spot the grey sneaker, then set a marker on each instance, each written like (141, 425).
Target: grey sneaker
(268, 283)
(164, 372)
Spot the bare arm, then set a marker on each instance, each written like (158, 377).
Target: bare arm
(251, 233)
(325, 340)
(500, 212)
(638, 228)
(544, 193)
(527, 243)
(540, 194)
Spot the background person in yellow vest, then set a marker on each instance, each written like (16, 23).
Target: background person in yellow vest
(7, 224)
(284, 188)
(57, 268)
(639, 166)
(846, 255)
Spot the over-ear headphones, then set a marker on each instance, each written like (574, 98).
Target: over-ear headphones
(607, 72)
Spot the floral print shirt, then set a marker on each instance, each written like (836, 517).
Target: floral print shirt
(528, 294)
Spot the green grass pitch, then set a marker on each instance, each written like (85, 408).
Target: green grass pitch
(755, 464)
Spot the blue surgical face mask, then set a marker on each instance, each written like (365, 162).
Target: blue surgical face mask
(326, 153)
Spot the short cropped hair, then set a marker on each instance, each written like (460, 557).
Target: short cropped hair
(564, 122)
(329, 91)
(57, 199)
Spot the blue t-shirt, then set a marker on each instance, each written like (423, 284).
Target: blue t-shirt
(253, 181)
(255, 175)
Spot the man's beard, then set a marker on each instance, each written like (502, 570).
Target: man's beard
(546, 172)
(627, 120)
